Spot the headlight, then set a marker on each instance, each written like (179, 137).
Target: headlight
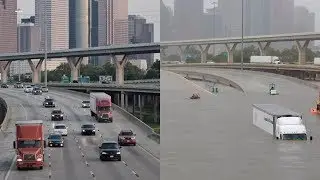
(133, 137)
(103, 153)
(46, 103)
(52, 114)
(83, 130)
(61, 144)
(61, 115)
(118, 152)
(19, 160)
(94, 130)
(39, 159)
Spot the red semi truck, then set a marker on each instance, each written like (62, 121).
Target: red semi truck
(29, 144)
(100, 106)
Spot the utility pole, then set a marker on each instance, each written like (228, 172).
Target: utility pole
(18, 11)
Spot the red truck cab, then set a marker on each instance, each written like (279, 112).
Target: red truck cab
(101, 106)
(29, 144)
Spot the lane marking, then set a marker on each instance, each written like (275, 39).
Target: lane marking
(11, 167)
(149, 153)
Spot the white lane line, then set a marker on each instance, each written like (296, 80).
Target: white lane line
(149, 153)
(11, 167)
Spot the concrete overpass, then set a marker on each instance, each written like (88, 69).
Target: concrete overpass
(302, 41)
(118, 53)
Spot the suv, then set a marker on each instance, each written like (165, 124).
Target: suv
(36, 91)
(88, 129)
(18, 85)
(127, 137)
(28, 89)
(110, 150)
(44, 89)
(56, 115)
(55, 140)
(48, 102)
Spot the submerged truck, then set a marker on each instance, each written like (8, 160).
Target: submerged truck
(280, 122)
(100, 106)
(265, 59)
(29, 144)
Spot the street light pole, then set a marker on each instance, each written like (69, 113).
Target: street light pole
(18, 11)
(242, 9)
(45, 45)
(90, 25)
(214, 23)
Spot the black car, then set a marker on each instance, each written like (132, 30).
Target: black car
(48, 102)
(88, 129)
(4, 86)
(110, 150)
(86, 104)
(55, 140)
(56, 115)
(36, 91)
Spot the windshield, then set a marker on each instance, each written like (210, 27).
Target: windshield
(60, 127)
(28, 87)
(127, 133)
(48, 100)
(109, 146)
(56, 137)
(106, 108)
(56, 112)
(294, 137)
(85, 101)
(87, 126)
(29, 144)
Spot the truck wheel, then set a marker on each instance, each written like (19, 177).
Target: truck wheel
(111, 120)
(92, 114)
(41, 167)
(119, 159)
(18, 168)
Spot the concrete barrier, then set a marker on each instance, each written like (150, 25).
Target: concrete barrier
(7, 116)
(210, 78)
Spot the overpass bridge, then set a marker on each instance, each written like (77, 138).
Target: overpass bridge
(302, 41)
(74, 57)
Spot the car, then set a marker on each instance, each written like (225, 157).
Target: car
(110, 150)
(55, 139)
(61, 128)
(36, 91)
(57, 114)
(4, 86)
(48, 102)
(88, 129)
(44, 89)
(86, 104)
(126, 137)
(18, 85)
(28, 89)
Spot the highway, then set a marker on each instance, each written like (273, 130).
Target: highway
(79, 159)
(213, 138)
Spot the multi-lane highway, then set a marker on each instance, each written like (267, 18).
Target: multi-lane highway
(79, 159)
(213, 138)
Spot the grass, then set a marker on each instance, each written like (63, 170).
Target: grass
(155, 127)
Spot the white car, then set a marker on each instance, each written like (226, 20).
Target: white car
(28, 89)
(61, 128)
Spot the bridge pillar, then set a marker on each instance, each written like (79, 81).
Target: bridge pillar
(302, 49)
(126, 104)
(141, 104)
(204, 52)
(155, 109)
(36, 71)
(4, 67)
(182, 53)
(230, 52)
(120, 61)
(75, 63)
(122, 100)
(263, 48)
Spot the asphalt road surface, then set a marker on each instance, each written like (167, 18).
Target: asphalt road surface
(213, 138)
(79, 159)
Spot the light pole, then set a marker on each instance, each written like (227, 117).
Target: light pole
(214, 23)
(242, 8)
(18, 11)
(45, 44)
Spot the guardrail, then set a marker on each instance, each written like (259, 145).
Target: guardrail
(142, 81)
(309, 68)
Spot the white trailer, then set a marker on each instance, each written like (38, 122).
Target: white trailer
(265, 59)
(280, 122)
(316, 61)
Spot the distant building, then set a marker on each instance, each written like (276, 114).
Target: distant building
(8, 26)
(304, 21)
(139, 31)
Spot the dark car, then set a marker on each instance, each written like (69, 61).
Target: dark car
(18, 85)
(88, 129)
(4, 86)
(86, 104)
(55, 140)
(56, 115)
(36, 91)
(127, 137)
(110, 150)
(48, 102)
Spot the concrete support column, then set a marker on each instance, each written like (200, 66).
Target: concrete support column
(36, 70)
(230, 52)
(182, 53)
(118, 99)
(5, 66)
(204, 52)
(302, 49)
(120, 61)
(140, 105)
(122, 99)
(75, 63)
(134, 103)
(126, 105)
(263, 48)
(155, 109)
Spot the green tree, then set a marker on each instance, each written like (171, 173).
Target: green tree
(132, 72)
(154, 71)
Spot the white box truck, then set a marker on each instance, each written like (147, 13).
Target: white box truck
(280, 122)
(316, 61)
(265, 59)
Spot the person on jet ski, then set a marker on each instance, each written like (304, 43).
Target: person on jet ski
(195, 95)
(272, 88)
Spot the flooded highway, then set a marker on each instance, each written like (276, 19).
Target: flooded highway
(213, 138)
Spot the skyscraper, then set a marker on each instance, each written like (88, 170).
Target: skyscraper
(8, 26)
(304, 21)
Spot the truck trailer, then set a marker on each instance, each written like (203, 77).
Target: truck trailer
(265, 59)
(29, 144)
(280, 122)
(100, 106)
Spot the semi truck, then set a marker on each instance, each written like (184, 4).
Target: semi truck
(29, 144)
(281, 122)
(100, 106)
(316, 61)
(265, 59)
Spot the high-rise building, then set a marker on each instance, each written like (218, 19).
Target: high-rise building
(139, 31)
(29, 42)
(282, 16)
(304, 21)
(54, 15)
(8, 26)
